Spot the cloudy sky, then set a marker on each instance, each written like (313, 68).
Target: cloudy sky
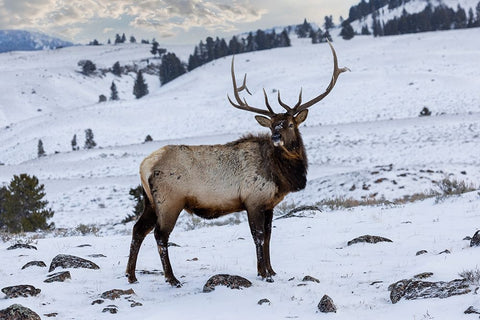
(169, 21)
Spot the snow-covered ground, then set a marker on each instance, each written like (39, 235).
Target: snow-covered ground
(365, 140)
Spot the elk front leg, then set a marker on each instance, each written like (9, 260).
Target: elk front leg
(266, 244)
(257, 228)
(142, 227)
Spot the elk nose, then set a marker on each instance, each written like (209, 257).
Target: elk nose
(276, 139)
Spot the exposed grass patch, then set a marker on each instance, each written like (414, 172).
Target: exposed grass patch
(471, 276)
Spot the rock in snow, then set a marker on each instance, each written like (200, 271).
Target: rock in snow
(475, 241)
(18, 312)
(233, 282)
(326, 305)
(368, 239)
(67, 261)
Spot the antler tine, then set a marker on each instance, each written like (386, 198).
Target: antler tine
(243, 105)
(284, 105)
(336, 72)
(266, 102)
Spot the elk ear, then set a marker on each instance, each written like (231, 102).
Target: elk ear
(301, 116)
(263, 121)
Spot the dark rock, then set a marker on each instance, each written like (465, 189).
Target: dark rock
(97, 255)
(21, 291)
(51, 315)
(263, 301)
(472, 309)
(326, 305)
(67, 261)
(111, 308)
(468, 238)
(18, 312)
(58, 277)
(34, 263)
(446, 251)
(21, 246)
(368, 239)
(98, 301)
(172, 244)
(84, 245)
(421, 252)
(135, 304)
(116, 293)
(233, 282)
(423, 275)
(475, 242)
(310, 278)
(416, 289)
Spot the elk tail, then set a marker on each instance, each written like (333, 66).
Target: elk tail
(146, 170)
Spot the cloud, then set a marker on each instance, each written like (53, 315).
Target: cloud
(163, 16)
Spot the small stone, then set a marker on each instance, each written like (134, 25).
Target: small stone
(18, 312)
(232, 282)
(68, 261)
(51, 315)
(21, 246)
(111, 308)
(98, 301)
(326, 305)
(84, 245)
(116, 293)
(21, 291)
(421, 252)
(416, 289)
(467, 238)
(368, 239)
(263, 301)
(310, 278)
(471, 309)
(97, 255)
(446, 251)
(475, 242)
(40, 264)
(423, 275)
(136, 304)
(58, 277)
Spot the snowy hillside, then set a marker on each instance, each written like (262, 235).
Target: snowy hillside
(410, 7)
(19, 40)
(364, 141)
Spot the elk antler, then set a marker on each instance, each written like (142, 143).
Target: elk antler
(299, 106)
(243, 105)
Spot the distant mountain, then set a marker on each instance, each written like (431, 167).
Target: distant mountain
(389, 17)
(19, 40)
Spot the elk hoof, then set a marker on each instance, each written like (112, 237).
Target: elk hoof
(175, 283)
(131, 279)
(269, 279)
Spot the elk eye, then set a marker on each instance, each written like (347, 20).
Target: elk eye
(290, 125)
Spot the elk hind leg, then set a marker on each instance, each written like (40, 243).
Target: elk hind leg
(166, 222)
(257, 229)
(142, 227)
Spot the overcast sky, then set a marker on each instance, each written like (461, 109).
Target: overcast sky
(169, 21)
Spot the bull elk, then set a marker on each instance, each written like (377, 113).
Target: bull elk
(253, 173)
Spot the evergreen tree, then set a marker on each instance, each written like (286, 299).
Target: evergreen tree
(116, 69)
(194, 60)
(234, 46)
(75, 147)
(23, 207)
(88, 67)
(40, 151)
(284, 39)
(124, 38)
(132, 39)
(304, 30)
(460, 20)
(140, 88)
(471, 19)
(89, 142)
(365, 30)
(328, 24)
(347, 32)
(118, 39)
(109, 41)
(113, 92)
(154, 48)
(170, 68)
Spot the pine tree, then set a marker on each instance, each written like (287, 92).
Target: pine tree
(124, 38)
(328, 24)
(113, 92)
(89, 142)
(140, 88)
(116, 69)
(75, 147)
(40, 151)
(154, 48)
(347, 32)
(132, 39)
(118, 39)
(23, 207)
(170, 68)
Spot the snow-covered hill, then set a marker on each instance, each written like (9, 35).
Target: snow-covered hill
(364, 141)
(19, 40)
(410, 7)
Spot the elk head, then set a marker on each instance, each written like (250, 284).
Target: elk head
(283, 126)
